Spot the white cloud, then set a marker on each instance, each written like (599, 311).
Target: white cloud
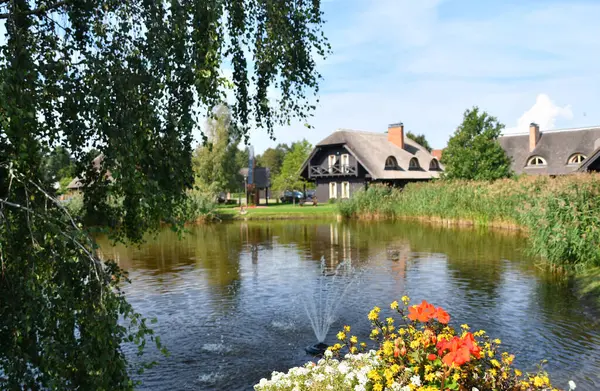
(544, 113)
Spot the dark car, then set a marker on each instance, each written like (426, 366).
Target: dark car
(310, 194)
(289, 196)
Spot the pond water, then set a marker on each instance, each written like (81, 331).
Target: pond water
(230, 298)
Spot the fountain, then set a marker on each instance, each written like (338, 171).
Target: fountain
(324, 299)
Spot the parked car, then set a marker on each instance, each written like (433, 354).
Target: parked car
(310, 194)
(289, 196)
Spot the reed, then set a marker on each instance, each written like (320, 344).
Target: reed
(561, 215)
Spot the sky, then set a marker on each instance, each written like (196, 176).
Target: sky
(424, 62)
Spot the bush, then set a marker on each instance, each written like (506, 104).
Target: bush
(199, 206)
(422, 354)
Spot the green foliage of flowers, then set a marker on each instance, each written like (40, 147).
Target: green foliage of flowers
(561, 215)
(420, 352)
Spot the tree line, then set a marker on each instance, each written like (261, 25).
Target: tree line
(217, 161)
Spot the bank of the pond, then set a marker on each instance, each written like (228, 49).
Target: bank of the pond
(279, 212)
(561, 215)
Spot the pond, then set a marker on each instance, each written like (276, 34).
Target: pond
(230, 299)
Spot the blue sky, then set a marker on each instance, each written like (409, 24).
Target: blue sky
(423, 62)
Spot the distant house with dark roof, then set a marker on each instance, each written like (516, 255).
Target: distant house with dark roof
(348, 160)
(553, 152)
(77, 184)
(262, 182)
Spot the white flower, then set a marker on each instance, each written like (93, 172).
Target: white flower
(572, 385)
(328, 353)
(474, 389)
(343, 368)
(359, 387)
(416, 380)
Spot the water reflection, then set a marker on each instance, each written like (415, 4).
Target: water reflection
(228, 296)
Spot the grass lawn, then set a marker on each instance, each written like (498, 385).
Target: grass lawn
(280, 211)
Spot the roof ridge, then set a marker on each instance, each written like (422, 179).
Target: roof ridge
(358, 131)
(552, 131)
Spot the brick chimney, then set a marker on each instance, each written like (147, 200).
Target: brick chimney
(534, 136)
(396, 134)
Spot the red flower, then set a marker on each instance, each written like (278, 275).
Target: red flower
(423, 312)
(459, 350)
(431, 357)
(442, 316)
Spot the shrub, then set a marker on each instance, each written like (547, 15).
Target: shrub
(199, 206)
(423, 354)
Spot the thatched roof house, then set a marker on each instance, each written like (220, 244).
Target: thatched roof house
(553, 152)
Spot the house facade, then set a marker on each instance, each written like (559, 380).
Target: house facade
(553, 152)
(348, 160)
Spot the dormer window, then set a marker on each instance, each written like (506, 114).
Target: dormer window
(391, 163)
(414, 164)
(536, 161)
(577, 159)
(434, 165)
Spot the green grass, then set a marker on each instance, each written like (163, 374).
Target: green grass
(280, 211)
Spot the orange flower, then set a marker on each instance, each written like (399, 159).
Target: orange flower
(442, 316)
(459, 350)
(423, 312)
(431, 357)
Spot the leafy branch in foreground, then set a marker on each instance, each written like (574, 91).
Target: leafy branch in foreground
(132, 80)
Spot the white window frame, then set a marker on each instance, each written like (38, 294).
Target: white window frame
(413, 164)
(345, 189)
(332, 190)
(331, 160)
(345, 160)
(536, 161)
(576, 159)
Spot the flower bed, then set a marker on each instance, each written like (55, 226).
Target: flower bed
(420, 353)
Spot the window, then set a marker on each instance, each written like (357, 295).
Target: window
(345, 190)
(414, 164)
(332, 190)
(577, 159)
(391, 163)
(331, 160)
(536, 161)
(345, 162)
(434, 165)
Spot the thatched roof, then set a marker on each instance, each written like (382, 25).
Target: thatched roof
(372, 150)
(555, 146)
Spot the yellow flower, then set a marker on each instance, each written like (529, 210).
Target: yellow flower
(347, 329)
(495, 363)
(374, 314)
(464, 326)
(353, 339)
(341, 336)
(497, 341)
(389, 321)
(405, 300)
(538, 381)
(518, 373)
(401, 331)
(394, 305)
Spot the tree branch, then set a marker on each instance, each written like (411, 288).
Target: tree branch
(38, 11)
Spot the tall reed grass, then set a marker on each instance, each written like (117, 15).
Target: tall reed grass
(561, 215)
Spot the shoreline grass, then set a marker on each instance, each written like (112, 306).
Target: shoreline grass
(560, 216)
(280, 212)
